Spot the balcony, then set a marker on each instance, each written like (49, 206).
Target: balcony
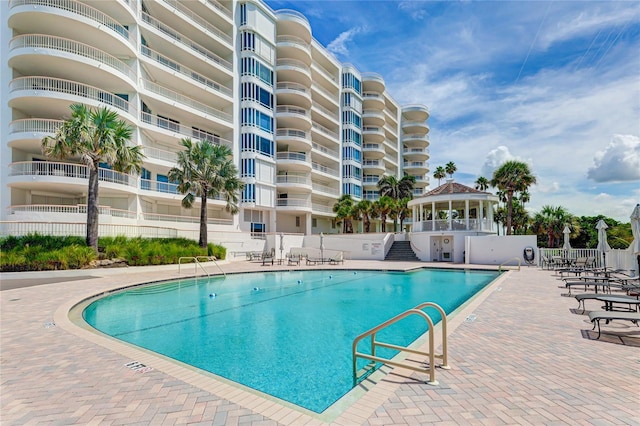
(373, 117)
(294, 48)
(293, 161)
(415, 166)
(331, 153)
(327, 190)
(409, 126)
(373, 100)
(27, 133)
(329, 117)
(293, 22)
(293, 117)
(415, 113)
(183, 219)
(299, 182)
(74, 20)
(297, 140)
(179, 9)
(294, 204)
(416, 154)
(46, 96)
(373, 166)
(323, 209)
(373, 134)
(66, 210)
(290, 93)
(75, 60)
(373, 151)
(328, 135)
(294, 71)
(325, 170)
(416, 139)
(168, 131)
(372, 82)
(153, 153)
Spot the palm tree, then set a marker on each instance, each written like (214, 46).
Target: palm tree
(513, 176)
(450, 168)
(551, 221)
(343, 209)
(439, 173)
(364, 210)
(396, 189)
(403, 210)
(207, 171)
(384, 206)
(96, 136)
(482, 183)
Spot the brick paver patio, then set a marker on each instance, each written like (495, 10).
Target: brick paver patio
(520, 354)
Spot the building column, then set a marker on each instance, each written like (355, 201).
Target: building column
(466, 214)
(480, 215)
(307, 224)
(450, 215)
(433, 215)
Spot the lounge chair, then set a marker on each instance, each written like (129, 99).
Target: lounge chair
(581, 298)
(293, 259)
(596, 316)
(337, 258)
(314, 260)
(268, 256)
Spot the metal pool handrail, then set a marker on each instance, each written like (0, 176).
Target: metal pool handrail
(509, 260)
(374, 343)
(196, 260)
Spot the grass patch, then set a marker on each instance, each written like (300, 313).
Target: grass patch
(36, 252)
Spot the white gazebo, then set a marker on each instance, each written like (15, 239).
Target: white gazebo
(445, 215)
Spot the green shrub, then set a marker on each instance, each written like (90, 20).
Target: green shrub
(13, 261)
(77, 256)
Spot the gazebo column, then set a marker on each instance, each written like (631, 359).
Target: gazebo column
(480, 215)
(490, 216)
(466, 214)
(450, 215)
(433, 215)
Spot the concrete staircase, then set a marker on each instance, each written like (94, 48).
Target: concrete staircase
(401, 250)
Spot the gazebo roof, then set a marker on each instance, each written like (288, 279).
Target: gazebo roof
(452, 187)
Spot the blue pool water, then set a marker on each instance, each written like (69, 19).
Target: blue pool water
(287, 334)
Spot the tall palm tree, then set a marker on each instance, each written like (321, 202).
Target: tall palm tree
(364, 210)
(96, 136)
(513, 176)
(403, 210)
(207, 171)
(450, 168)
(482, 183)
(344, 211)
(396, 189)
(439, 173)
(384, 206)
(551, 221)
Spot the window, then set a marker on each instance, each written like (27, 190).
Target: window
(349, 81)
(248, 167)
(253, 67)
(145, 176)
(351, 172)
(253, 117)
(249, 193)
(297, 221)
(163, 183)
(243, 14)
(168, 123)
(350, 153)
(247, 41)
(254, 143)
(350, 135)
(205, 135)
(314, 222)
(352, 189)
(253, 92)
(351, 117)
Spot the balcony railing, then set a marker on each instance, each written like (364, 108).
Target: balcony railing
(322, 208)
(320, 128)
(293, 63)
(331, 114)
(288, 109)
(372, 163)
(292, 202)
(372, 95)
(81, 9)
(34, 125)
(416, 151)
(40, 41)
(68, 170)
(294, 133)
(287, 85)
(325, 188)
(182, 129)
(456, 225)
(220, 7)
(71, 209)
(160, 154)
(325, 150)
(416, 136)
(185, 41)
(185, 100)
(291, 178)
(187, 72)
(292, 40)
(70, 88)
(414, 164)
(183, 219)
(324, 169)
(371, 179)
(198, 20)
(296, 156)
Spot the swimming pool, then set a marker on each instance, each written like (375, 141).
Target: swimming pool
(287, 334)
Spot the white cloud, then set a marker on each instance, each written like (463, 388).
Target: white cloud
(415, 9)
(494, 159)
(339, 45)
(619, 162)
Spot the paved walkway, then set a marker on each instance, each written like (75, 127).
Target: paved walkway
(520, 354)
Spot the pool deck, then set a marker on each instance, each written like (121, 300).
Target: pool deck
(521, 353)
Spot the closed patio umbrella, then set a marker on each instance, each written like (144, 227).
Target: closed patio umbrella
(566, 244)
(635, 230)
(603, 245)
(321, 246)
(281, 244)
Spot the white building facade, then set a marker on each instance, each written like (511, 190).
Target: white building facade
(303, 127)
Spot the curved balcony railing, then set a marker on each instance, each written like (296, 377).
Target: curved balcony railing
(292, 202)
(322, 208)
(372, 95)
(324, 169)
(371, 179)
(420, 164)
(176, 5)
(331, 114)
(185, 100)
(184, 130)
(81, 9)
(293, 63)
(421, 136)
(372, 163)
(41, 41)
(186, 71)
(287, 85)
(289, 109)
(318, 187)
(57, 85)
(71, 209)
(295, 133)
(291, 178)
(69, 170)
(160, 154)
(34, 125)
(412, 123)
(185, 41)
(289, 13)
(416, 151)
(293, 40)
(296, 156)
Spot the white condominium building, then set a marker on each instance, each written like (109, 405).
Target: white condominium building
(303, 127)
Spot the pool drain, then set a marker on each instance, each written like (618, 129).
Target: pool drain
(138, 367)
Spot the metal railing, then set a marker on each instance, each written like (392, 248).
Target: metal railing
(418, 310)
(182, 219)
(69, 170)
(293, 63)
(71, 209)
(324, 169)
(176, 5)
(297, 156)
(291, 133)
(196, 263)
(325, 150)
(34, 125)
(42, 41)
(320, 128)
(184, 130)
(509, 260)
(220, 7)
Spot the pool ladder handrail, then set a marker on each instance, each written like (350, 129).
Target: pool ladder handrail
(418, 310)
(196, 260)
(509, 260)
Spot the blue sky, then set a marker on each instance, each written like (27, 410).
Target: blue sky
(555, 84)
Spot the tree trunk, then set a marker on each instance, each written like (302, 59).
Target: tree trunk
(509, 211)
(383, 225)
(203, 221)
(92, 208)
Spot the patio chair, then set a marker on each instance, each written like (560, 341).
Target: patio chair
(596, 316)
(581, 298)
(293, 259)
(268, 256)
(337, 258)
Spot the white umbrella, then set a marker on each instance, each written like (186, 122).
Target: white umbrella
(281, 244)
(635, 230)
(321, 246)
(603, 245)
(567, 246)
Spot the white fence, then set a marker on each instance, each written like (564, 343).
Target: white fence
(615, 258)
